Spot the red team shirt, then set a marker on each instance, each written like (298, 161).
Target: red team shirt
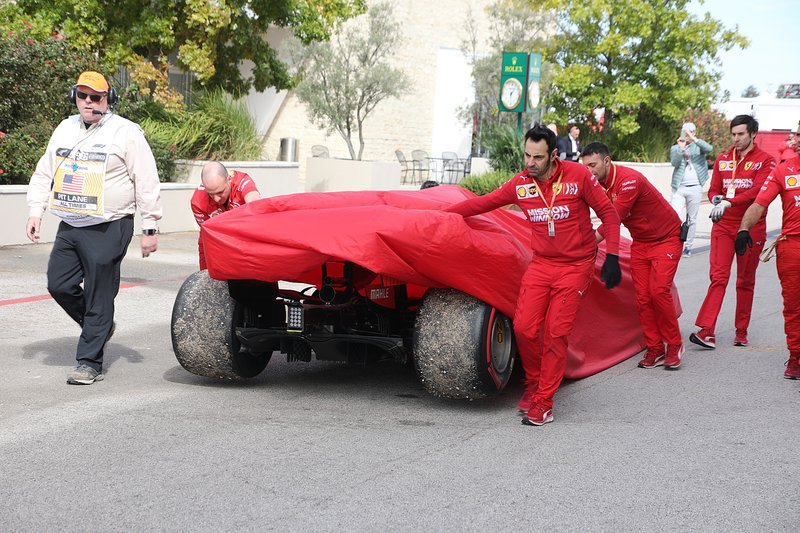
(748, 173)
(204, 207)
(643, 210)
(784, 181)
(574, 238)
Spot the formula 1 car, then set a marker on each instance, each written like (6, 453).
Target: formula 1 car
(368, 275)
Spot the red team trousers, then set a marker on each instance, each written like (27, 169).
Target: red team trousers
(653, 267)
(788, 253)
(723, 237)
(548, 300)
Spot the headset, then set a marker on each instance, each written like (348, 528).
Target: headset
(112, 97)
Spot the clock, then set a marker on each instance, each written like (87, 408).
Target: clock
(533, 95)
(511, 93)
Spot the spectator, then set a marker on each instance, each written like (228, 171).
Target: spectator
(220, 191)
(569, 148)
(739, 173)
(688, 157)
(556, 195)
(96, 172)
(655, 252)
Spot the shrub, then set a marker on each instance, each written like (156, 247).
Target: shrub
(505, 148)
(35, 77)
(486, 183)
(218, 128)
(20, 150)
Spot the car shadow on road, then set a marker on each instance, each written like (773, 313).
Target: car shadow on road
(339, 381)
(61, 352)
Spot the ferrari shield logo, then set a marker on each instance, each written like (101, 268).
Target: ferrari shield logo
(556, 188)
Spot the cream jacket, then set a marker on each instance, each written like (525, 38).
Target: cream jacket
(131, 177)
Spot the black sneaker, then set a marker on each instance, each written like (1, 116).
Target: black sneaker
(83, 375)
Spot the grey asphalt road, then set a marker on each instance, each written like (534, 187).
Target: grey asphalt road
(324, 447)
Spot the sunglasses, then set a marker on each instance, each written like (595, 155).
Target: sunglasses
(94, 97)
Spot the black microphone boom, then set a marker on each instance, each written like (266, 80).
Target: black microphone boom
(97, 112)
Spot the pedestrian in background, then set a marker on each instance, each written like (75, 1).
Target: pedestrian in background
(569, 147)
(96, 172)
(688, 156)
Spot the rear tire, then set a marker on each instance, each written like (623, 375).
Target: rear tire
(463, 348)
(204, 319)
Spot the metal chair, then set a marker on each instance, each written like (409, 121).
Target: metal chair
(454, 168)
(422, 165)
(319, 150)
(406, 166)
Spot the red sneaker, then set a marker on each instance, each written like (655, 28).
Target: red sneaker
(704, 338)
(653, 358)
(741, 338)
(538, 415)
(792, 367)
(674, 356)
(526, 401)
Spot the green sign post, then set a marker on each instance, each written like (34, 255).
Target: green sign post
(519, 83)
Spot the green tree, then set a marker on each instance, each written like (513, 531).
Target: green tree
(343, 80)
(750, 92)
(209, 39)
(650, 57)
(515, 26)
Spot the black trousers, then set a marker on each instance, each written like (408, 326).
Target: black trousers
(92, 255)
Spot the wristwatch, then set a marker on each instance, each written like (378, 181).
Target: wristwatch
(151, 231)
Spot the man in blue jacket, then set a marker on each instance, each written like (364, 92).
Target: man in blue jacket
(688, 157)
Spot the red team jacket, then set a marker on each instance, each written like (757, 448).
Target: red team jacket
(748, 174)
(643, 210)
(204, 207)
(784, 181)
(574, 238)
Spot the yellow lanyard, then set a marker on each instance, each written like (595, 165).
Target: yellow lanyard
(732, 184)
(551, 225)
(613, 180)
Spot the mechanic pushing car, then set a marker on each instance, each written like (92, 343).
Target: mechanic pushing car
(655, 253)
(556, 196)
(220, 190)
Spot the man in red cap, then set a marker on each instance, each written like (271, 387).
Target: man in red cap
(220, 190)
(555, 196)
(738, 175)
(96, 172)
(655, 253)
(784, 181)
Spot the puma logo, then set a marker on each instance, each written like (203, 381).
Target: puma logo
(670, 255)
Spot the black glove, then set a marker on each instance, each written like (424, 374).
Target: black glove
(743, 242)
(610, 273)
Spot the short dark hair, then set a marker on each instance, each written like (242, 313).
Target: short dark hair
(748, 120)
(428, 184)
(596, 148)
(540, 132)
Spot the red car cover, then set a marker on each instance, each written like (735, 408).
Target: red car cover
(405, 235)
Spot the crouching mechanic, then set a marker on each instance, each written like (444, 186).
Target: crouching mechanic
(220, 191)
(96, 172)
(783, 181)
(655, 252)
(556, 196)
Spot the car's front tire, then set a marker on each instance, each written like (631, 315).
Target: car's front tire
(463, 348)
(204, 319)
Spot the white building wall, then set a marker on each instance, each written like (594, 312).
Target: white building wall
(771, 113)
(424, 118)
